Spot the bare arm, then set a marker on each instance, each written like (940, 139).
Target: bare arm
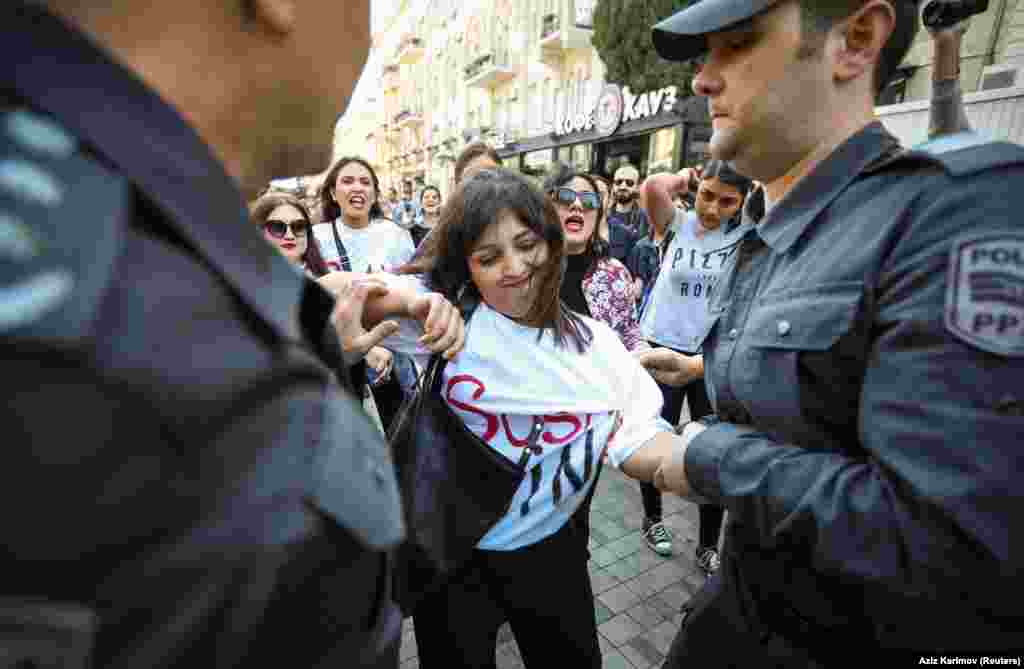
(661, 453)
(656, 196)
(367, 300)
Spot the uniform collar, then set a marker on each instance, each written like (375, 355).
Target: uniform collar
(58, 70)
(783, 225)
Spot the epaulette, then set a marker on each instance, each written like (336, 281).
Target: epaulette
(61, 227)
(959, 155)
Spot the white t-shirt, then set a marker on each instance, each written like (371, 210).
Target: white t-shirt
(380, 246)
(677, 313)
(505, 378)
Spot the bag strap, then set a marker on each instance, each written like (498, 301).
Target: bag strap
(342, 253)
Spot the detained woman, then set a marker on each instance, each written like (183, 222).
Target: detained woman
(544, 387)
(692, 248)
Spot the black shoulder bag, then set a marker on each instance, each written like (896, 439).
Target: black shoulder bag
(454, 488)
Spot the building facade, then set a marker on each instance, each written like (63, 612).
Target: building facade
(523, 76)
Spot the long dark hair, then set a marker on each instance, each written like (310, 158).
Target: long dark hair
(329, 208)
(596, 246)
(477, 204)
(725, 173)
(262, 207)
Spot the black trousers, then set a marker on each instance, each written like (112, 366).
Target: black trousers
(543, 591)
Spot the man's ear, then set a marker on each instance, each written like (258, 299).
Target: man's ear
(862, 37)
(278, 16)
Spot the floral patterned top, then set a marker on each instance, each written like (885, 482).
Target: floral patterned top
(608, 289)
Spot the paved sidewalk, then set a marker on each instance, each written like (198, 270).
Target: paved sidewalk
(638, 593)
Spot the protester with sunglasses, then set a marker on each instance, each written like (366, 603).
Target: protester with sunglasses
(286, 225)
(627, 209)
(595, 284)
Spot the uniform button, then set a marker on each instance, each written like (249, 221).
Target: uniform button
(734, 333)
(380, 476)
(783, 328)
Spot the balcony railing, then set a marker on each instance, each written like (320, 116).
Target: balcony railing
(549, 26)
(392, 80)
(488, 70)
(410, 50)
(409, 116)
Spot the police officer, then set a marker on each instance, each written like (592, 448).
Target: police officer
(185, 480)
(865, 355)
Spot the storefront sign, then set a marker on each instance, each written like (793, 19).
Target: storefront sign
(616, 106)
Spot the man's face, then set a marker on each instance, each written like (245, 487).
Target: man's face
(626, 182)
(769, 104)
(308, 85)
(407, 191)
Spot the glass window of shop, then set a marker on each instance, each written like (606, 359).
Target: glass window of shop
(663, 150)
(536, 164)
(577, 157)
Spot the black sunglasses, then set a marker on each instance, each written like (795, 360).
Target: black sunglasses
(629, 183)
(276, 229)
(588, 199)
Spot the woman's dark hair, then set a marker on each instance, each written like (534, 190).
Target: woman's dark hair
(562, 175)
(433, 188)
(724, 172)
(473, 207)
(471, 153)
(262, 207)
(329, 208)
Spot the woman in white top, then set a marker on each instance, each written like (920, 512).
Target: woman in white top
(544, 387)
(693, 252)
(354, 236)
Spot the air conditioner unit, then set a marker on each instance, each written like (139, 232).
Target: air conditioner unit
(1000, 76)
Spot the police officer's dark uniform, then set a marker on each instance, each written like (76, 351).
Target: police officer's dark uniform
(184, 481)
(866, 362)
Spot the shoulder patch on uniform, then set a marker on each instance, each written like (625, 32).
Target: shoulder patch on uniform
(60, 229)
(985, 292)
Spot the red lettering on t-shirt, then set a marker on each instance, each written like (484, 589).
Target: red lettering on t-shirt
(492, 421)
(563, 418)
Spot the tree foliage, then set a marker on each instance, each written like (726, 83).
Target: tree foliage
(622, 37)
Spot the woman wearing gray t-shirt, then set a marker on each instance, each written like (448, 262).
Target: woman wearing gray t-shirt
(692, 253)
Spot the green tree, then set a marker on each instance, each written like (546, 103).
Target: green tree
(622, 37)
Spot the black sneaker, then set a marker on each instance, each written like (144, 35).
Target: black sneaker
(708, 560)
(658, 538)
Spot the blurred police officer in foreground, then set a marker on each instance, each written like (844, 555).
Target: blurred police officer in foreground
(185, 481)
(867, 360)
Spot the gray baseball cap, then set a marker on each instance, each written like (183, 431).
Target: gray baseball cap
(682, 35)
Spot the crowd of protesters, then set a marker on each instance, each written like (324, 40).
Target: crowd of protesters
(840, 316)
